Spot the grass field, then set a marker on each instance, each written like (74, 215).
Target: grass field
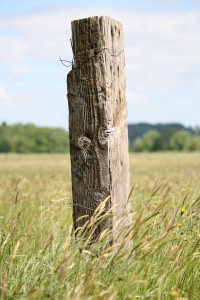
(39, 258)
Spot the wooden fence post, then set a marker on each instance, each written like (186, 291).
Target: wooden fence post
(98, 120)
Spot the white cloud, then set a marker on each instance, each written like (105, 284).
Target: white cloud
(18, 72)
(13, 48)
(135, 98)
(4, 95)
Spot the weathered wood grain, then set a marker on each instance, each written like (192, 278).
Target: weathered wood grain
(98, 119)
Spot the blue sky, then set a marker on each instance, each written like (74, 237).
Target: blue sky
(162, 47)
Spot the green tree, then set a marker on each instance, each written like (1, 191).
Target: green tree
(151, 140)
(5, 144)
(181, 141)
(197, 130)
(195, 144)
(165, 138)
(138, 145)
(31, 139)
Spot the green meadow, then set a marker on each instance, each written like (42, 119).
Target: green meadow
(41, 259)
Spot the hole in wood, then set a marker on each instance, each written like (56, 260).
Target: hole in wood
(98, 197)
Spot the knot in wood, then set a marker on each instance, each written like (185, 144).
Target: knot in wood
(98, 197)
(105, 134)
(84, 142)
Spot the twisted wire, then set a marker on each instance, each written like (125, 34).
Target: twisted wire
(100, 50)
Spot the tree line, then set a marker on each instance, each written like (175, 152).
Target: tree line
(163, 137)
(19, 138)
(32, 139)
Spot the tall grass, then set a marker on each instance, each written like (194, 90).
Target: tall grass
(40, 258)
